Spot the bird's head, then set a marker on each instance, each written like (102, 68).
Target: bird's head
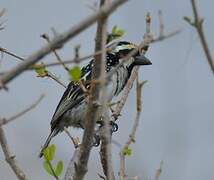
(116, 53)
(121, 49)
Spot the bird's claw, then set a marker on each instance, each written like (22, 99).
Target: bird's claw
(96, 140)
(114, 126)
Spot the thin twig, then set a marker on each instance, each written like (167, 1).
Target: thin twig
(11, 54)
(144, 46)
(46, 37)
(2, 12)
(81, 59)
(75, 141)
(133, 76)
(75, 60)
(49, 74)
(133, 131)
(161, 23)
(166, 36)
(4, 121)
(125, 94)
(198, 24)
(52, 170)
(10, 158)
(162, 36)
(58, 41)
(146, 42)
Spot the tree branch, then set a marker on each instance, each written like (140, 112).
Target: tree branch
(4, 121)
(10, 158)
(198, 24)
(105, 132)
(92, 114)
(144, 47)
(58, 41)
(134, 129)
(46, 37)
(3, 50)
(133, 76)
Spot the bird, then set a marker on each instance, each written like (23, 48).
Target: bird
(72, 107)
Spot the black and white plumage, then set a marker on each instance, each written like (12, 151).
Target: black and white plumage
(72, 107)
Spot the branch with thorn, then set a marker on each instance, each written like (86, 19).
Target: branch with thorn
(197, 23)
(131, 138)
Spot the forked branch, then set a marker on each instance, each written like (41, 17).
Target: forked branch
(197, 23)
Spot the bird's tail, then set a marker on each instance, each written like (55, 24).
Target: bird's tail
(51, 135)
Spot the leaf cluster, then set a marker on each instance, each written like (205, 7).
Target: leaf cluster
(49, 154)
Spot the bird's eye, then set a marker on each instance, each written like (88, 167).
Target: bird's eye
(123, 53)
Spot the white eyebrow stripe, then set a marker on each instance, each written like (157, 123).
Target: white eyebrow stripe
(123, 47)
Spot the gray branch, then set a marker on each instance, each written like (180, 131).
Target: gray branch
(4, 121)
(58, 41)
(198, 24)
(93, 101)
(10, 158)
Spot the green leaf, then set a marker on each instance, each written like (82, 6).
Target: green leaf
(46, 153)
(127, 151)
(46, 166)
(49, 152)
(189, 20)
(115, 33)
(59, 168)
(114, 29)
(40, 70)
(52, 151)
(75, 73)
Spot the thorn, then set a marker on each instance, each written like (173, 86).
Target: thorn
(200, 22)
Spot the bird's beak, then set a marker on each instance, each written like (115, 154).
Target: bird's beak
(142, 60)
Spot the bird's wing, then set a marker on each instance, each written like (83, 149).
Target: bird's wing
(72, 96)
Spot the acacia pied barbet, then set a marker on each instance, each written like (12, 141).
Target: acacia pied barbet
(72, 107)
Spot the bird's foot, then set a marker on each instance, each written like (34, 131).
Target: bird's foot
(96, 140)
(114, 126)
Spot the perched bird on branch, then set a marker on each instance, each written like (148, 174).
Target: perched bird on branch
(72, 107)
